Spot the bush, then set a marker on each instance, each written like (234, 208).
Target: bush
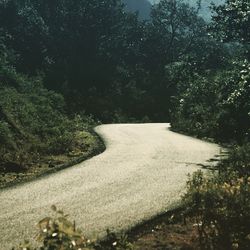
(34, 124)
(5, 134)
(115, 241)
(238, 160)
(59, 233)
(221, 208)
(215, 106)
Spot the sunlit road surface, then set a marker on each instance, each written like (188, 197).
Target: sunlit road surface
(142, 173)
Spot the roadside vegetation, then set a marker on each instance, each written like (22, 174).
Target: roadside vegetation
(36, 134)
(60, 233)
(66, 64)
(216, 105)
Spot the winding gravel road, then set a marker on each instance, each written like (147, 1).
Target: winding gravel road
(142, 173)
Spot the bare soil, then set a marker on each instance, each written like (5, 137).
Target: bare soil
(171, 231)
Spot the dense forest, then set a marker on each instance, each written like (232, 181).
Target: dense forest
(68, 65)
(109, 62)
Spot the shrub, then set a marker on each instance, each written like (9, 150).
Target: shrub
(5, 134)
(61, 144)
(59, 233)
(221, 208)
(115, 241)
(34, 124)
(215, 105)
(238, 160)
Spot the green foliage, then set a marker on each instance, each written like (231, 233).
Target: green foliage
(104, 60)
(5, 134)
(59, 233)
(25, 33)
(232, 21)
(215, 106)
(176, 26)
(221, 204)
(221, 208)
(238, 160)
(214, 102)
(34, 124)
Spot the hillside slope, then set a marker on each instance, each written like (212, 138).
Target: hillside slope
(36, 134)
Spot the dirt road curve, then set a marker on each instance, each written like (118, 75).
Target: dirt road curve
(142, 173)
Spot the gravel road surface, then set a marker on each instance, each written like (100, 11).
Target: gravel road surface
(142, 173)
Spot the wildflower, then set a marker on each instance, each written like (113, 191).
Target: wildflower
(197, 224)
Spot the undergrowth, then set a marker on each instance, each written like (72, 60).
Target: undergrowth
(59, 233)
(221, 204)
(34, 124)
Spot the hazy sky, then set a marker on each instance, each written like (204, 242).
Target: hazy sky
(153, 1)
(205, 11)
(204, 1)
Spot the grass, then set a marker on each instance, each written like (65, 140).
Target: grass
(48, 164)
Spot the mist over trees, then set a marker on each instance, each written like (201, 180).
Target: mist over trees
(205, 6)
(143, 7)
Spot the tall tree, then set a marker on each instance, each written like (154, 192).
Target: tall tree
(231, 22)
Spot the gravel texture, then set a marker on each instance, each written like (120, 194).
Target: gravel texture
(142, 173)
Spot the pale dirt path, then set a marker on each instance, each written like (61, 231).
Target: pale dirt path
(142, 173)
